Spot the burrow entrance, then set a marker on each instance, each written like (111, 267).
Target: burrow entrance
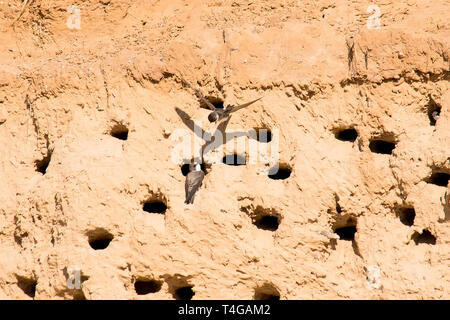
(406, 215)
(119, 131)
(438, 177)
(28, 285)
(346, 134)
(155, 204)
(425, 237)
(263, 218)
(281, 173)
(382, 145)
(433, 112)
(144, 286)
(180, 288)
(345, 226)
(266, 292)
(99, 239)
(215, 101)
(42, 164)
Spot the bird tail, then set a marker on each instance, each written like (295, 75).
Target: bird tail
(189, 200)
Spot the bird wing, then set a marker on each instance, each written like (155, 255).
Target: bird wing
(199, 95)
(243, 106)
(194, 180)
(190, 123)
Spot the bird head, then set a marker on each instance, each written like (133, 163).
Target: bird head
(435, 114)
(213, 116)
(195, 166)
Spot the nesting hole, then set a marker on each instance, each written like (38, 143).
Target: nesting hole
(99, 239)
(143, 287)
(433, 111)
(263, 218)
(345, 228)
(184, 293)
(155, 206)
(119, 131)
(267, 223)
(179, 287)
(380, 145)
(349, 134)
(215, 101)
(266, 292)
(346, 233)
(281, 173)
(42, 165)
(27, 285)
(424, 237)
(406, 215)
(234, 160)
(439, 178)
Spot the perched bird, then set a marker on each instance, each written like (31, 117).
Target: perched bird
(194, 180)
(435, 115)
(218, 113)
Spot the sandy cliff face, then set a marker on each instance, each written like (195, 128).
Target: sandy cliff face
(91, 108)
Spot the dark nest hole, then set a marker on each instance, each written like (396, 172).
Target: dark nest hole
(349, 134)
(281, 172)
(263, 218)
(184, 293)
(119, 131)
(263, 135)
(266, 292)
(346, 233)
(439, 178)
(27, 285)
(406, 215)
(383, 146)
(42, 165)
(267, 222)
(99, 239)
(143, 287)
(185, 168)
(433, 111)
(155, 206)
(216, 102)
(234, 160)
(345, 228)
(179, 287)
(424, 237)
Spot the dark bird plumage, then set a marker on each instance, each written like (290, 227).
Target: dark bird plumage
(218, 113)
(194, 181)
